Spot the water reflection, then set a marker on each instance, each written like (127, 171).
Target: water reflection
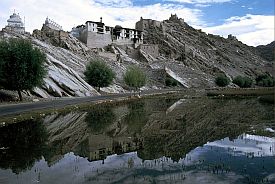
(146, 141)
(22, 145)
(99, 118)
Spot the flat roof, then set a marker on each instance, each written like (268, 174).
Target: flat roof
(95, 22)
(111, 26)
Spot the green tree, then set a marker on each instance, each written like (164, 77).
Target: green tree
(21, 65)
(135, 77)
(169, 81)
(98, 74)
(243, 82)
(265, 80)
(222, 80)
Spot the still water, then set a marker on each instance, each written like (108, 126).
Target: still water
(146, 141)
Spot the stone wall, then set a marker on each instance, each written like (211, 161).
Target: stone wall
(151, 49)
(133, 53)
(55, 37)
(146, 23)
(20, 30)
(123, 41)
(95, 40)
(83, 36)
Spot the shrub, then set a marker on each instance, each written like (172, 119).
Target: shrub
(98, 74)
(265, 80)
(135, 77)
(243, 82)
(170, 82)
(222, 80)
(21, 65)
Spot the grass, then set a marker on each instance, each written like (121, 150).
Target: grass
(240, 92)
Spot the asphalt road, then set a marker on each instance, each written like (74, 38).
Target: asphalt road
(10, 109)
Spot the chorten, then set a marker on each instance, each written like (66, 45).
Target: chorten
(15, 24)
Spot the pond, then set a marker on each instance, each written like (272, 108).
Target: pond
(158, 140)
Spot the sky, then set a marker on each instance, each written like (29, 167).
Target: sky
(251, 21)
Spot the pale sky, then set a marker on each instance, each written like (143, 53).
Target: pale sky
(252, 21)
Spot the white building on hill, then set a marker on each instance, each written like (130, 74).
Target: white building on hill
(98, 35)
(15, 24)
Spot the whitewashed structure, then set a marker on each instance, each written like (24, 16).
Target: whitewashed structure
(15, 24)
(98, 35)
(53, 25)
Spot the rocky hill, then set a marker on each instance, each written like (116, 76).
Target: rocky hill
(267, 51)
(190, 56)
(203, 55)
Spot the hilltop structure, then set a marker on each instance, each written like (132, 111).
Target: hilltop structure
(53, 25)
(15, 24)
(53, 33)
(143, 24)
(175, 18)
(98, 35)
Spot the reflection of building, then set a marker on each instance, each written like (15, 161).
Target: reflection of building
(100, 146)
(98, 35)
(15, 24)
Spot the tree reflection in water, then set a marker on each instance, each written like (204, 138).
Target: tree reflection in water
(98, 118)
(137, 116)
(22, 144)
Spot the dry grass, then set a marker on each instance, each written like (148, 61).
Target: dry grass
(240, 92)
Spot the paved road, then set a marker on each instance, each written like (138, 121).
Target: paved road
(10, 109)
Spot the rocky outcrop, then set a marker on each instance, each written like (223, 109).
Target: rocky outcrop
(64, 68)
(267, 51)
(202, 56)
(62, 79)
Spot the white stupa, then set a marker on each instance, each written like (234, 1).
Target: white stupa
(15, 24)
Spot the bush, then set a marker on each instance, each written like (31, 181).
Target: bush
(135, 77)
(243, 82)
(222, 80)
(170, 82)
(265, 80)
(21, 65)
(98, 74)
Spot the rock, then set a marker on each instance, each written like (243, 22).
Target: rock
(200, 57)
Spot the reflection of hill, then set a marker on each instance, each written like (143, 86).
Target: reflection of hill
(145, 126)
(195, 122)
(102, 130)
(65, 133)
